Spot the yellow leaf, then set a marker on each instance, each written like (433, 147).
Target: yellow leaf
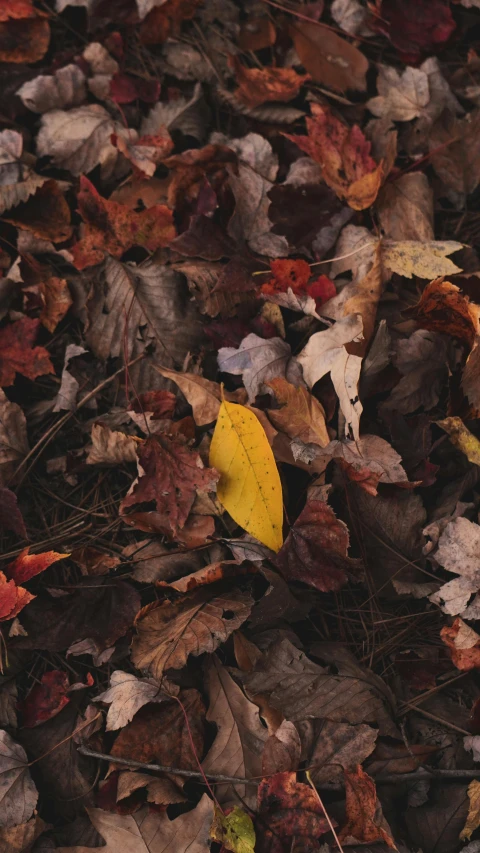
(235, 831)
(462, 438)
(427, 259)
(249, 487)
(473, 818)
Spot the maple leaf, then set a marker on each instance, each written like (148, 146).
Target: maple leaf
(315, 550)
(46, 699)
(257, 85)
(112, 227)
(18, 353)
(127, 694)
(401, 97)
(13, 598)
(344, 155)
(167, 633)
(27, 566)
(365, 821)
(171, 475)
(288, 809)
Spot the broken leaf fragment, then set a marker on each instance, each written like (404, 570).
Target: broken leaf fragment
(249, 487)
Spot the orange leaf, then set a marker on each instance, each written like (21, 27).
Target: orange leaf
(18, 355)
(257, 85)
(344, 155)
(365, 821)
(112, 227)
(444, 308)
(45, 214)
(463, 644)
(13, 598)
(24, 32)
(27, 565)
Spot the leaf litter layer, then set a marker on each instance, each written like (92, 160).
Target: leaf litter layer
(239, 426)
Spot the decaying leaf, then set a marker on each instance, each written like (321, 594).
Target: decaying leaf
(168, 633)
(259, 360)
(18, 794)
(331, 61)
(301, 417)
(235, 830)
(426, 260)
(13, 438)
(463, 643)
(457, 552)
(205, 397)
(126, 695)
(462, 438)
(18, 353)
(473, 818)
(365, 821)
(288, 809)
(111, 447)
(257, 85)
(249, 486)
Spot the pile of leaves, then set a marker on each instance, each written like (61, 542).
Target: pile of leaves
(239, 426)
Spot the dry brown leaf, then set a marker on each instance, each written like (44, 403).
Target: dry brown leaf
(400, 97)
(18, 794)
(127, 694)
(444, 308)
(204, 396)
(473, 819)
(365, 821)
(329, 59)
(167, 633)
(257, 85)
(454, 145)
(301, 417)
(110, 447)
(405, 208)
(339, 747)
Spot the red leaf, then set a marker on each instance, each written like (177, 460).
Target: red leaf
(160, 403)
(414, 27)
(112, 227)
(46, 699)
(465, 655)
(295, 274)
(173, 474)
(27, 565)
(257, 85)
(13, 598)
(344, 155)
(315, 550)
(365, 822)
(124, 89)
(18, 355)
(288, 809)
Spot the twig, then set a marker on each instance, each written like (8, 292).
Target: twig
(337, 840)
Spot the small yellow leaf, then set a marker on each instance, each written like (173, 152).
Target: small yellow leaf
(249, 487)
(473, 818)
(425, 258)
(234, 830)
(462, 438)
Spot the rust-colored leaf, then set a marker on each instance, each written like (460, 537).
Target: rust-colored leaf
(27, 565)
(18, 353)
(46, 699)
(365, 822)
(288, 809)
(257, 85)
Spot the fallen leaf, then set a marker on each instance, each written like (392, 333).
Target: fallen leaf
(249, 487)
(24, 32)
(18, 353)
(65, 88)
(454, 146)
(67, 394)
(18, 839)
(159, 791)
(171, 475)
(165, 19)
(167, 633)
(368, 461)
(440, 820)
(282, 750)
(79, 139)
(365, 821)
(57, 301)
(126, 695)
(257, 85)
(27, 566)
(400, 97)
(351, 16)
(326, 352)
(165, 733)
(257, 360)
(405, 208)
(425, 260)
(329, 59)
(457, 552)
(10, 515)
(339, 747)
(204, 396)
(152, 832)
(315, 550)
(291, 287)
(237, 748)
(301, 689)
(444, 308)
(422, 359)
(46, 699)
(208, 574)
(156, 302)
(301, 417)
(93, 562)
(288, 809)
(463, 643)
(414, 28)
(473, 819)
(186, 115)
(18, 794)
(344, 155)
(112, 227)
(462, 438)
(110, 447)
(234, 830)
(13, 438)
(13, 598)
(470, 376)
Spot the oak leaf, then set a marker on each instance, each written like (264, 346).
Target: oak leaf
(315, 550)
(249, 486)
(18, 353)
(365, 821)
(171, 475)
(344, 155)
(257, 85)
(237, 748)
(167, 633)
(327, 352)
(152, 832)
(112, 227)
(18, 794)
(126, 695)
